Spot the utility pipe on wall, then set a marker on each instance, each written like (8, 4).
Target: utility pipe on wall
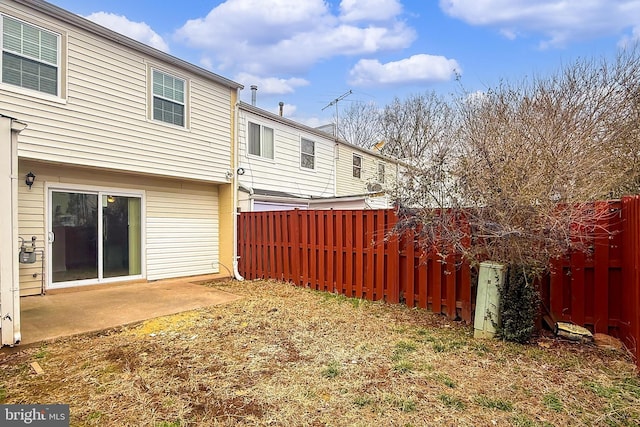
(9, 245)
(236, 186)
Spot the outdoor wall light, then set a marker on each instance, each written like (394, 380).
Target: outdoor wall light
(30, 177)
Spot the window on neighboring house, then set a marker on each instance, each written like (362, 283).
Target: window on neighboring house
(381, 173)
(260, 140)
(168, 98)
(307, 154)
(29, 56)
(357, 166)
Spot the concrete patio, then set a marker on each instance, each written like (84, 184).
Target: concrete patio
(80, 310)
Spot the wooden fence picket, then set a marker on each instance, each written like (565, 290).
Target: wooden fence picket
(354, 253)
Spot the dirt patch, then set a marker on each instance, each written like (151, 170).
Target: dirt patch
(284, 355)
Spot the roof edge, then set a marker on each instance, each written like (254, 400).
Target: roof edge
(85, 24)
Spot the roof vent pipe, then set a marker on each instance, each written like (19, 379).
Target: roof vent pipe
(281, 104)
(254, 90)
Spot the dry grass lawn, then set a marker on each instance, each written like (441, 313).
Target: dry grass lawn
(288, 356)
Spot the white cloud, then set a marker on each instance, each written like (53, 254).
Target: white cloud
(558, 22)
(369, 10)
(420, 68)
(476, 98)
(139, 31)
(290, 36)
(634, 37)
(313, 122)
(271, 85)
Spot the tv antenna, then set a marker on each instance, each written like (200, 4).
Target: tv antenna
(335, 102)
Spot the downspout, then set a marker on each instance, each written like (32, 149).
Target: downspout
(16, 128)
(336, 157)
(236, 186)
(9, 246)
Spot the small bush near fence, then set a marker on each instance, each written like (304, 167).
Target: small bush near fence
(519, 302)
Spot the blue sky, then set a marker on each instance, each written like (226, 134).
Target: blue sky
(306, 53)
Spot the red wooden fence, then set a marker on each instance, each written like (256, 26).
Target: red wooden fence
(587, 288)
(352, 253)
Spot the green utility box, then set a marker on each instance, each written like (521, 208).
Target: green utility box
(487, 316)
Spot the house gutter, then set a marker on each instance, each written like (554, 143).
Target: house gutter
(336, 157)
(9, 246)
(236, 186)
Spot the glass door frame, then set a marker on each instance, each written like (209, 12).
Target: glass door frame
(50, 188)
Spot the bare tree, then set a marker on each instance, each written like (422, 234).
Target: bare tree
(529, 162)
(413, 127)
(360, 124)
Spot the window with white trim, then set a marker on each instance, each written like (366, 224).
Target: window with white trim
(168, 98)
(357, 166)
(307, 154)
(381, 172)
(260, 141)
(30, 56)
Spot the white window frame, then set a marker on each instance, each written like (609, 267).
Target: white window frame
(38, 60)
(261, 135)
(164, 97)
(359, 168)
(381, 172)
(303, 154)
(99, 191)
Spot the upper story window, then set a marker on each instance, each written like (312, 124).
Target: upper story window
(30, 56)
(357, 166)
(260, 140)
(168, 98)
(307, 154)
(381, 172)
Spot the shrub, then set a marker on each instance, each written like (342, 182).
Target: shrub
(519, 304)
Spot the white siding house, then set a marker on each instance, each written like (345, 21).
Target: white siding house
(131, 150)
(361, 171)
(287, 165)
(283, 164)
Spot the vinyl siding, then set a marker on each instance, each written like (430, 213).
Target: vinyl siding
(181, 225)
(182, 235)
(347, 184)
(31, 222)
(284, 173)
(104, 118)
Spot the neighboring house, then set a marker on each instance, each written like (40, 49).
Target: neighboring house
(360, 171)
(286, 165)
(132, 153)
(283, 164)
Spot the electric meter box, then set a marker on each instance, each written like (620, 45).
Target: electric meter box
(487, 316)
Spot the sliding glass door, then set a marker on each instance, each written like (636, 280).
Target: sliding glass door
(94, 236)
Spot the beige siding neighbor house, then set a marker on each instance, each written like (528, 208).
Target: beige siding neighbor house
(283, 164)
(130, 151)
(287, 165)
(365, 172)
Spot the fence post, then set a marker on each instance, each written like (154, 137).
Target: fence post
(450, 272)
(339, 274)
(630, 322)
(577, 287)
(601, 270)
(369, 284)
(393, 260)
(379, 257)
(409, 250)
(296, 247)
